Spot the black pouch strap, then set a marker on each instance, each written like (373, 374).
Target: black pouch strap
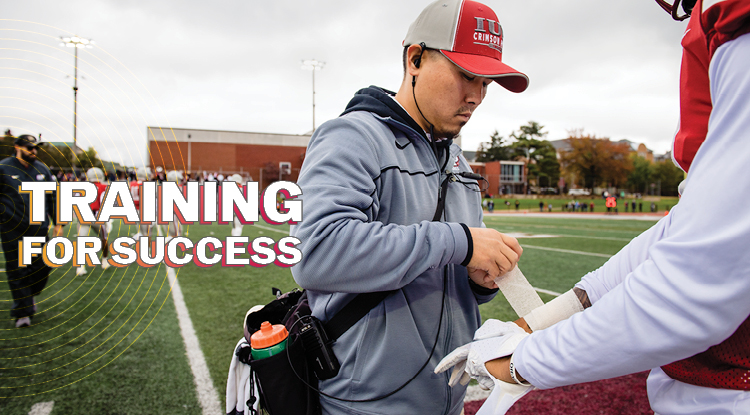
(357, 308)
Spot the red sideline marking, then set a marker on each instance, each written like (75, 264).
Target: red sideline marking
(623, 395)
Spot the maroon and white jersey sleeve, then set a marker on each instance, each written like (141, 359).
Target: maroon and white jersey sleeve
(687, 286)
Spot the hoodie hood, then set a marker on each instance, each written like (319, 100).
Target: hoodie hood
(381, 102)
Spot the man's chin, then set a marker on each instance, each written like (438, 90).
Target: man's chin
(448, 134)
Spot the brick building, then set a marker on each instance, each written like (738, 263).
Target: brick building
(227, 152)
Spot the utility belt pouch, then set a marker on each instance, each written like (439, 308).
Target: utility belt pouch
(281, 382)
(287, 382)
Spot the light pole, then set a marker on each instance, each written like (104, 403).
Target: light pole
(314, 65)
(76, 42)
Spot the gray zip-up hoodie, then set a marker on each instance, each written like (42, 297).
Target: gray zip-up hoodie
(370, 184)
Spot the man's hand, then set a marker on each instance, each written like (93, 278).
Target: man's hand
(57, 231)
(494, 254)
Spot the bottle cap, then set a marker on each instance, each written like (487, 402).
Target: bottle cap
(268, 335)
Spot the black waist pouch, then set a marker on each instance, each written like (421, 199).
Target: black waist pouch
(282, 392)
(287, 381)
(281, 378)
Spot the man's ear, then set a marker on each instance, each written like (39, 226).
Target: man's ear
(415, 58)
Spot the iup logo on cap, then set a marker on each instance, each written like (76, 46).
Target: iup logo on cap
(491, 37)
(478, 31)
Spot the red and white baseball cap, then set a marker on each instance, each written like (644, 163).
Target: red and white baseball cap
(469, 34)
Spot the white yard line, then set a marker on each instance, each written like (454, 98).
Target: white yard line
(268, 228)
(542, 290)
(567, 251)
(653, 217)
(42, 408)
(204, 386)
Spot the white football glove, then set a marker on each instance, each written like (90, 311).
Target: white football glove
(493, 340)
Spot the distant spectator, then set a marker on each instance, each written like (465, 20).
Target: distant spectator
(541, 206)
(517, 204)
(491, 205)
(591, 206)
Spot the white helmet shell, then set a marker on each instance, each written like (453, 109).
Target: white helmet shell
(174, 176)
(95, 174)
(237, 178)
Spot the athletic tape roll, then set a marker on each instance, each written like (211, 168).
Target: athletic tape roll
(554, 311)
(519, 293)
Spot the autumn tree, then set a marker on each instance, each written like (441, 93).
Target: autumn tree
(540, 154)
(526, 143)
(642, 175)
(669, 176)
(597, 161)
(494, 150)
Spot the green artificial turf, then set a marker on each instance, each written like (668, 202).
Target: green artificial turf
(109, 342)
(106, 342)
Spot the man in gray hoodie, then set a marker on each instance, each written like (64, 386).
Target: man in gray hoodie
(391, 204)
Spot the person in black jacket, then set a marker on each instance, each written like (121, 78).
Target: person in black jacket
(25, 282)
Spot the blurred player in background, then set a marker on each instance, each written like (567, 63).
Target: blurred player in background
(142, 174)
(96, 175)
(174, 229)
(236, 224)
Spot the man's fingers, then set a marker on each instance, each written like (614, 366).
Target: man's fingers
(494, 252)
(513, 244)
(508, 260)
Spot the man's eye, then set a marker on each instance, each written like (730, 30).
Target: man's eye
(467, 77)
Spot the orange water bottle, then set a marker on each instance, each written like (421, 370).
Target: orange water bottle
(268, 341)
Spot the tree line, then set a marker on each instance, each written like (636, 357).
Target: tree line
(587, 162)
(55, 157)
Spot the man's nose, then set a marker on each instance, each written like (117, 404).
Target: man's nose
(476, 93)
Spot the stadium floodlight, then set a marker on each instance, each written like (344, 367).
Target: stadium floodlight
(76, 42)
(313, 65)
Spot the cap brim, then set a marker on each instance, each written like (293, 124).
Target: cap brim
(479, 65)
(29, 145)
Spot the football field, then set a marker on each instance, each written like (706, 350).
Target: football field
(111, 341)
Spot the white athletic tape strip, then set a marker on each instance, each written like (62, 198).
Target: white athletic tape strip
(519, 293)
(204, 386)
(554, 311)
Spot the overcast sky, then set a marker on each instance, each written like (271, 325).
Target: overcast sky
(609, 68)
